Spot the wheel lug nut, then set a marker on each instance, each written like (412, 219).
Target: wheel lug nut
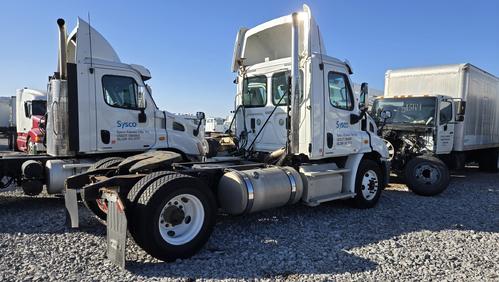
(176, 203)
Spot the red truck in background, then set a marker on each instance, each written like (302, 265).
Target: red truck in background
(31, 106)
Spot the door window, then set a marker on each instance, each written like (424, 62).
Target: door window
(445, 112)
(340, 94)
(120, 91)
(280, 87)
(255, 91)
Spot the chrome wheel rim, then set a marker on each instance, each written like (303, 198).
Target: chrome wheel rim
(369, 185)
(181, 219)
(391, 149)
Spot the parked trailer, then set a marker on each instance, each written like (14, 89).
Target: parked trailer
(439, 117)
(326, 153)
(98, 108)
(8, 120)
(215, 125)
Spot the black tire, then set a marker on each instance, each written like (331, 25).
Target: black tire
(148, 212)
(367, 196)
(134, 195)
(426, 175)
(213, 146)
(489, 161)
(88, 196)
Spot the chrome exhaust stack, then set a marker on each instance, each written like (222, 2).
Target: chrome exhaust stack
(295, 88)
(61, 68)
(57, 129)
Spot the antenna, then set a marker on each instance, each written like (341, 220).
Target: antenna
(90, 42)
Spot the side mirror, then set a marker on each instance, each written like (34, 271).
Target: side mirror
(460, 107)
(355, 118)
(364, 94)
(141, 97)
(385, 114)
(200, 115)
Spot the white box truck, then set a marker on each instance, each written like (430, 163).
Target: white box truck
(438, 117)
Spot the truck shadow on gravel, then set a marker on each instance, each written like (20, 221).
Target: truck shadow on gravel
(42, 214)
(289, 241)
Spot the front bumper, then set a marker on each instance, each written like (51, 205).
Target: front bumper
(40, 147)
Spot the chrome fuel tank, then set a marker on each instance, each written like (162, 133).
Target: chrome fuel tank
(247, 191)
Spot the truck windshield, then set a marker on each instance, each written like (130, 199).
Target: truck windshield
(419, 110)
(38, 107)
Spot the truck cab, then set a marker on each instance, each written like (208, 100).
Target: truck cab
(100, 105)
(432, 116)
(323, 121)
(31, 106)
(326, 114)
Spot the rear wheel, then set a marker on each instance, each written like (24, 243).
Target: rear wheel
(368, 184)
(489, 161)
(134, 195)
(426, 175)
(175, 216)
(90, 196)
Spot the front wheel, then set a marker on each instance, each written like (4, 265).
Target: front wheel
(426, 175)
(368, 184)
(174, 217)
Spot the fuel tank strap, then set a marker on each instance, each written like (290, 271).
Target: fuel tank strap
(292, 181)
(251, 192)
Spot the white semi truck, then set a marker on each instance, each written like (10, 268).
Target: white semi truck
(438, 117)
(300, 135)
(22, 120)
(98, 107)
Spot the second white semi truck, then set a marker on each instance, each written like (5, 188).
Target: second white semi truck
(98, 108)
(439, 117)
(300, 135)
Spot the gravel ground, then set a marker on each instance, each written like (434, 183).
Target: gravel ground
(453, 236)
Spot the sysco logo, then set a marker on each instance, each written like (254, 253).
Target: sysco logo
(341, 124)
(126, 124)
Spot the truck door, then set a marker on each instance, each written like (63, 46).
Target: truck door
(259, 105)
(445, 127)
(339, 135)
(119, 124)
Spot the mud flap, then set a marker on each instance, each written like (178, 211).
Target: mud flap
(116, 229)
(71, 203)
